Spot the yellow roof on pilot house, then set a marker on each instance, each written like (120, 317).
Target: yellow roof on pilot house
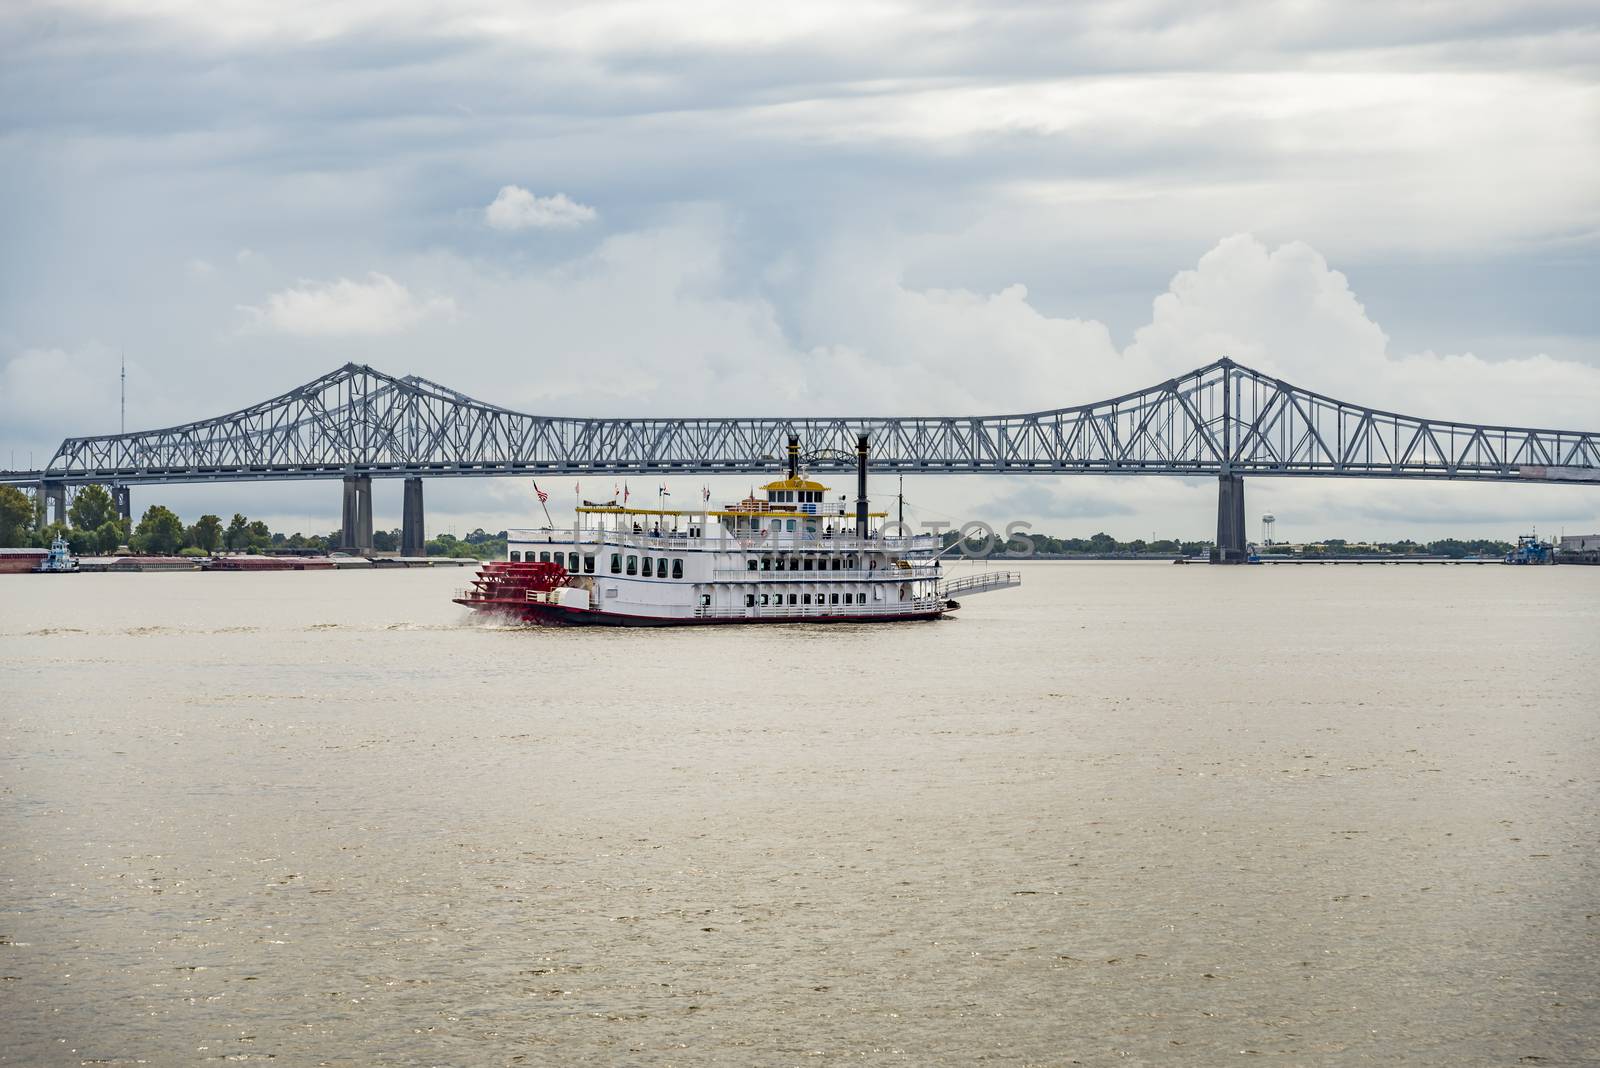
(794, 484)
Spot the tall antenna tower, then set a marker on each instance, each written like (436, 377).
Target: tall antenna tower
(123, 428)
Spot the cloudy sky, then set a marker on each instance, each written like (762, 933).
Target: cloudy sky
(708, 208)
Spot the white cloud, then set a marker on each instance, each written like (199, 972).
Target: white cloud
(515, 208)
(378, 305)
(1286, 312)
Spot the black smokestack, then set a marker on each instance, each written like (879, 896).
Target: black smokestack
(861, 487)
(794, 455)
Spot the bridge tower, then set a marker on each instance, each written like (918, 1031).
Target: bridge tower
(412, 541)
(54, 495)
(356, 536)
(1232, 543)
(1231, 547)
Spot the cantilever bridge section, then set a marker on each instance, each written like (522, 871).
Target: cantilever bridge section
(1224, 420)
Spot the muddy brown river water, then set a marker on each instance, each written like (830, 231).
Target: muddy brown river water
(1127, 814)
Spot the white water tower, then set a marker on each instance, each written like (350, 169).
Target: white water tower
(1267, 522)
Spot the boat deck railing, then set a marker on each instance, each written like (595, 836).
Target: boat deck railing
(815, 611)
(967, 585)
(875, 574)
(599, 537)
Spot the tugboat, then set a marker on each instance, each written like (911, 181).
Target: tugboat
(786, 556)
(1530, 550)
(59, 560)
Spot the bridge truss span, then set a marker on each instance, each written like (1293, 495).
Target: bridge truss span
(1220, 419)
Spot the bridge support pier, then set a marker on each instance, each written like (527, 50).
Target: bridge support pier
(1232, 545)
(356, 536)
(55, 502)
(122, 497)
(412, 540)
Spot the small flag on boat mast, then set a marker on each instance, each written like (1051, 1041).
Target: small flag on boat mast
(543, 497)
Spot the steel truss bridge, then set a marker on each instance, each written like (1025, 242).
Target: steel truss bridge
(1223, 419)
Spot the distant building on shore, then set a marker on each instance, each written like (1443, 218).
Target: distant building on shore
(1579, 549)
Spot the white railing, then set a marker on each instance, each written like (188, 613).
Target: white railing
(876, 574)
(596, 538)
(968, 585)
(815, 611)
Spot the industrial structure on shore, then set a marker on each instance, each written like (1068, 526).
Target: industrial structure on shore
(1222, 420)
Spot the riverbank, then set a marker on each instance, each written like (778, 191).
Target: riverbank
(138, 564)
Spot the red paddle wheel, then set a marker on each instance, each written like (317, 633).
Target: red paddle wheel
(504, 585)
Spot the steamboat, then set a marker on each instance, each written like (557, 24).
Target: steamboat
(787, 555)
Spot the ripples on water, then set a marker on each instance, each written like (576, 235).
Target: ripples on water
(1126, 814)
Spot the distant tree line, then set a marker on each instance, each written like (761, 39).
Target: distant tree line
(93, 527)
(1103, 544)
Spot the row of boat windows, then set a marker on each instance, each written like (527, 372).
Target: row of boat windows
(801, 563)
(753, 599)
(647, 566)
(567, 560)
(795, 497)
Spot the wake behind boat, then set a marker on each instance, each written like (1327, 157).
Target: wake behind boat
(785, 556)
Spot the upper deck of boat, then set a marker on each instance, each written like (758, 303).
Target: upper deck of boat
(714, 537)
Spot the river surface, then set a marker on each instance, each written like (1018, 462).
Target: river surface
(1126, 814)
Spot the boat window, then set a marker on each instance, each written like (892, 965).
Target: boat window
(588, 565)
(750, 564)
(849, 598)
(808, 563)
(677, 567)
(833, 598)
(544, 558)
(850, 562)
(834, 564)
(705, 600)
(749, 600)
(790, 524)
(766, 598)
(781, 564)
(766, 563)
(649, 568)
(805, 598)
(633, 565)
(572, 562)
(516, 556)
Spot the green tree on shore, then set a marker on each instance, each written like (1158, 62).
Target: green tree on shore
(160, 531)
(113, 534)
(16, 518)
(206, 533)
(91, 506)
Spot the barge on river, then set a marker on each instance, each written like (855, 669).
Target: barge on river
(787, 555)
